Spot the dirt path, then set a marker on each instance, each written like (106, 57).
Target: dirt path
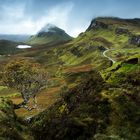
(104, 54)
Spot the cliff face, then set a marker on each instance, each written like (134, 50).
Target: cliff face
(95, 24)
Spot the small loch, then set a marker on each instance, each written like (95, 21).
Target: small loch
(23, 46)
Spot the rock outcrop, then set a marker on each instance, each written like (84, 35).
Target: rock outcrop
(75, 51)
(135, 40)
(120, 31)
(132, 61)
(93, 48)
(95, 24)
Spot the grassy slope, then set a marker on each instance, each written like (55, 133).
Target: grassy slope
(130, 24)
(48, 39)
(67, 62)
(78, 107)
(71, 63)
(8, 47)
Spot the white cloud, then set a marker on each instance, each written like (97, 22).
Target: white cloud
(58, 15)
(76, 31)
(12, 13)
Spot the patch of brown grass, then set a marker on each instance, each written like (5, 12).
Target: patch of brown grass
(76, 69)
(45, 99)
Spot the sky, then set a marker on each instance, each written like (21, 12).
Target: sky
(74, 16)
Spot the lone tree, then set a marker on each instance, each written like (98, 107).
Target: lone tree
(26, 77)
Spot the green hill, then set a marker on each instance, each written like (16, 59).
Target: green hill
(50, 34)
(15, 38)
(88, 47)
(8, 47)
(100, 107)
(97, 75)
(118, 37)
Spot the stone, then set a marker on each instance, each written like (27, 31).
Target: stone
(135, 40)
(120, 31)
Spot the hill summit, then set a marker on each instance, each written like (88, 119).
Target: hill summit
(50, 28)
(49, 34)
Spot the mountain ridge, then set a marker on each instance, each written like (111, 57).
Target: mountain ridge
(14, 37)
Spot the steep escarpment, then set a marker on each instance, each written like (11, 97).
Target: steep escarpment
(121, 33)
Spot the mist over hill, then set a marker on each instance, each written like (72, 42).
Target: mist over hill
(49, 34)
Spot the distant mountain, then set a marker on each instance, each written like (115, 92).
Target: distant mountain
(49, 34)
(16, 38)
(50, 28)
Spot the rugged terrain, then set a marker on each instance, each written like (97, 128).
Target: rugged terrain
(8, 47)
(94, 83)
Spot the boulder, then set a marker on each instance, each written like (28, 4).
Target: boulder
(76, 52)
(135, 40)
(120, 31)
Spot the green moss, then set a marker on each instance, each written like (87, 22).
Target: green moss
(11, 127)
(7, 92)
(117, 73)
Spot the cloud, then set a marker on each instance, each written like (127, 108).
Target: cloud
(76, 31)
(11, 13)
(74, 16)
(58, 15)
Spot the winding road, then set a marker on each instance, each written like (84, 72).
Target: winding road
(104, 54)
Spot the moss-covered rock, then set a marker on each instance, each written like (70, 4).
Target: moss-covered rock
(12, 127)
